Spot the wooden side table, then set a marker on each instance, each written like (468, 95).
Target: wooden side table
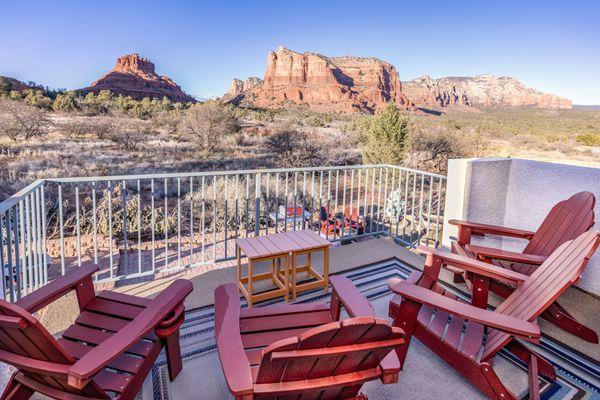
(310, 242)
(264, 248)
(287, 247)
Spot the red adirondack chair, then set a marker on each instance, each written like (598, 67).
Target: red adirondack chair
(330, 225)
(468, 337)
(353, 220)
(567, 220)
(114, 332)
(304, 350)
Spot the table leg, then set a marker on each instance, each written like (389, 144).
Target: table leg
(273, 271)
(249, 283)
(287, 279)
(238, 254)
(309, 263)
(326, 269)
(294, 275)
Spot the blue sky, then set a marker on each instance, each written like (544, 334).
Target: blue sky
(552, 46)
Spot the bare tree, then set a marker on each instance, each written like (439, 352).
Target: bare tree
(18, 120)
(101, 127)
(208, 122)
(430, 149)
(289, 148)
(127, 133)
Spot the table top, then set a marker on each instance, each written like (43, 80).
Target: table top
(281, 243)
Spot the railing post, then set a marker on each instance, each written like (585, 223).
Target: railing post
(257, 205)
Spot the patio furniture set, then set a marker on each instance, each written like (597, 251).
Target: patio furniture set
(329, 225)
(309, 350)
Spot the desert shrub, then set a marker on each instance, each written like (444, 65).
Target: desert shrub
(208, 122)
(101, 127)
(75, 127)
(20, 121)
(588, 139)
(65, 102)
(5, 86)
(127, 133)
(265, 115)
(37, 98)
(430, 150)
(104, 219)
(290, 148)
(384, 142)
(167, 120)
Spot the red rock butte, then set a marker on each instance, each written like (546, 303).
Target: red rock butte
(136, 77)
(340, 84)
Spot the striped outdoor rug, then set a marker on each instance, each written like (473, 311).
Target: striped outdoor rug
(578, 376)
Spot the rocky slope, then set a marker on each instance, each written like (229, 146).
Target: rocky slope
(484, 91)
(344, 84)
(9, 84)
(238, 86)
(136, 77)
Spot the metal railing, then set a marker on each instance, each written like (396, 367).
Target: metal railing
(141, 225)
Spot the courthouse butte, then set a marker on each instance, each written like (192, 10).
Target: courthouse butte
(345, 84)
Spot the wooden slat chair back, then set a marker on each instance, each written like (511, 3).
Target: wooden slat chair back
(350, 350)
(26, 344)
(561, 270)
(565, 221)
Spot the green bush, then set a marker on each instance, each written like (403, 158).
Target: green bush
(37, 98)
(65, 102)
(385, 140)
(589, 139)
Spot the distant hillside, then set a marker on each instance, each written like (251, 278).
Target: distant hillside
(483, 91)
(586, 107)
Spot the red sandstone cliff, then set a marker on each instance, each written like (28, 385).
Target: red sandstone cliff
(136, 77)
(484, 91)
(346, 84)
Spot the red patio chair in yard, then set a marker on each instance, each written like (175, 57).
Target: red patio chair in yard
(353, 220)
(330, 225)
(565, 221)
(107, 353)
(304, 350)
(468, 337)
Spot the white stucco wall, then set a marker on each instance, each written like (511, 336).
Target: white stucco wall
(517, 193)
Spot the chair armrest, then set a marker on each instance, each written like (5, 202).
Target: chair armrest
(151, 317)
(347, 294)
(514, 326)
(56, 289)
(499, 254)
(234, 361)
(475, 266)
(492, 229)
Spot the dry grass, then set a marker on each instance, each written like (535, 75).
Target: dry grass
(73, 148)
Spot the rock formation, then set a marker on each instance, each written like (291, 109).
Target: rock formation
(136, 77)
(484, 91)
(346, 84)
(425, 91)
(238, 86)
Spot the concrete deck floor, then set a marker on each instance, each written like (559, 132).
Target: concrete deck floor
(582, 305)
